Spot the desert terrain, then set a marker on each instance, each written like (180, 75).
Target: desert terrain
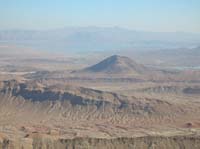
(75, 102)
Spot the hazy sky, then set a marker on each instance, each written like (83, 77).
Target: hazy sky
(150, 15)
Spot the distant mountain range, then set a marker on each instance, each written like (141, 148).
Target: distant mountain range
(84, 39)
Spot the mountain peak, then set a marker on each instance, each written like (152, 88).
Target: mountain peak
(116, 64)
(117, 57)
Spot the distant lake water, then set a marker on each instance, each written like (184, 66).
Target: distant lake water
(176, 67)
(184, 68)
